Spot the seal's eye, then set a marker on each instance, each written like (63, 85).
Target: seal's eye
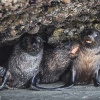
(95, 34)
(34, 44)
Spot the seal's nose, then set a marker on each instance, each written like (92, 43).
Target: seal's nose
(91, 38)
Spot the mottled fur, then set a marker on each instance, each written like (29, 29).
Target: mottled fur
(55, 62)
(87, 63)
(24, 63)
(25, 60)
(86, 66)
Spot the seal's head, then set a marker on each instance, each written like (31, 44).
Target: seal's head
(89, 37)
(31, 43)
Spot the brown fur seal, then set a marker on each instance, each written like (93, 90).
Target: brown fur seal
(87, 65)
(56, 61)
(24, 62)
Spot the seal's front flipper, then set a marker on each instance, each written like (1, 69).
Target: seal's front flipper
(4, 80)
(96, 79)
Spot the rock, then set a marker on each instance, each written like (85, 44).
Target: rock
(17, 17)
(77, 92)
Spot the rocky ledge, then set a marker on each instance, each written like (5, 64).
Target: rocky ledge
(87, 92)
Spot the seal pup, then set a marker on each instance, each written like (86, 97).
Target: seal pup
(86, 66)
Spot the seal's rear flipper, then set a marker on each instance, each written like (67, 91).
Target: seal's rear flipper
(38, 88)
(66, 86)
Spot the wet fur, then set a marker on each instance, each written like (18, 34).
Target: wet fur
(25, 61)
(55, 62)
(87, 65)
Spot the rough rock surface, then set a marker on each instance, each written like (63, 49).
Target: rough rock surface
(18, 17)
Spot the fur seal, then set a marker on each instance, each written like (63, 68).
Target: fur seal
(87, 65)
